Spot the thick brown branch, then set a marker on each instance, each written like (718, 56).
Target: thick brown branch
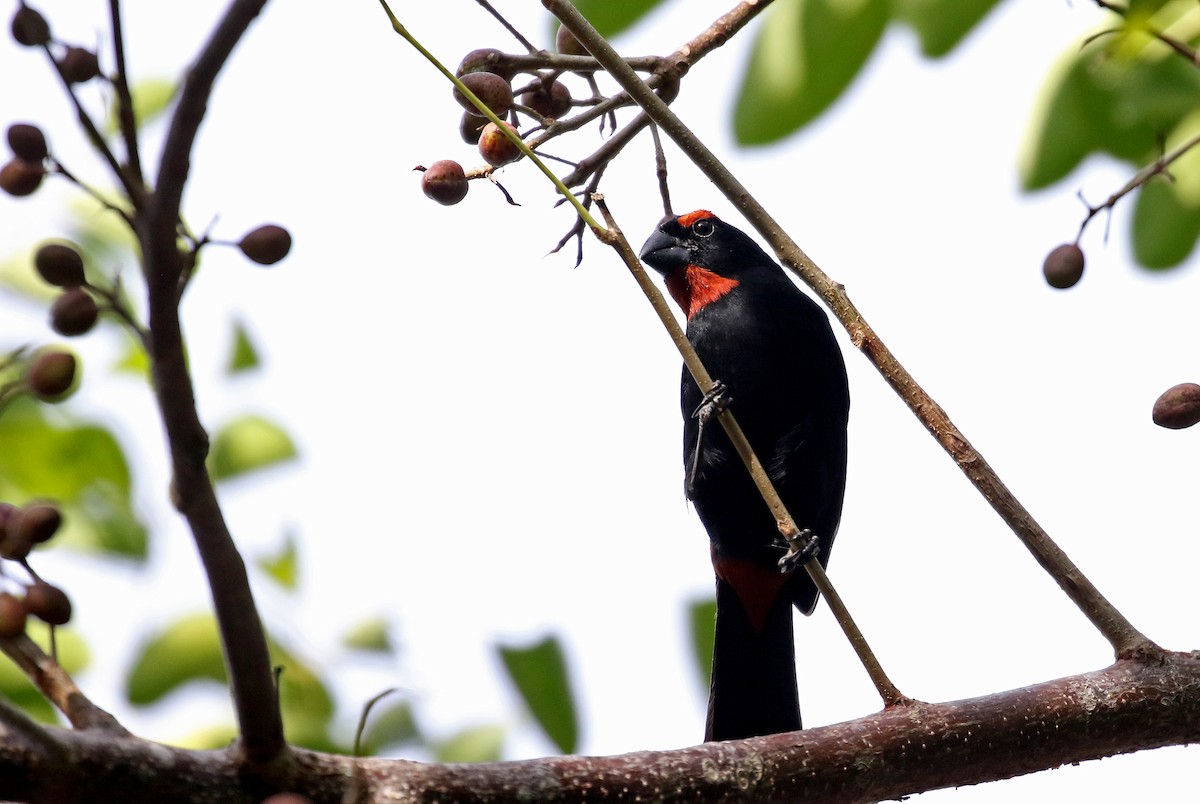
(1125, 639)
(887, 755)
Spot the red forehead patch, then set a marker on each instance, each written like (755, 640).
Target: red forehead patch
(687, 220)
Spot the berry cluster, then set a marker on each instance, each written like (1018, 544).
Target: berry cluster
(21, 529)
(489, 74)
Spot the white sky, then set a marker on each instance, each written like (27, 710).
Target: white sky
(491, 439)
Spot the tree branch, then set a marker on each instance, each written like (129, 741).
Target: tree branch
(252, 683)
(58, 687)
(884, 756)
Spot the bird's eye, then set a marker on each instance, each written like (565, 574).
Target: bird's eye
(703, 227)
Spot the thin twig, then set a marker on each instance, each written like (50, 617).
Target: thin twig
(125, 116)
(508, 26)
(1121, 634)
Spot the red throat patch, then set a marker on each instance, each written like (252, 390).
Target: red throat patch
(694, 287)
(757, 587)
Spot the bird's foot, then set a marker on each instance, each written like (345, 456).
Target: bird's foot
(801, 549)
(716, 400)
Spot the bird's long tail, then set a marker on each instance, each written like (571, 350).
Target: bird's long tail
(754, 660)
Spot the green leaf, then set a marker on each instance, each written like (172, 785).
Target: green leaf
(805, 55)
(370, 635)
(942, 24)
(151, 97)
(611, 18)
(1166, 221)
(477, 744)
(187, 650)
(80, 466)
(135, 360)
(282, 567)
(539, 673)
(702, 624)
(247, 444)
(243, 356)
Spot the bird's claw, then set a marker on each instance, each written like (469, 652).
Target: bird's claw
(716, 400)
(801, 549)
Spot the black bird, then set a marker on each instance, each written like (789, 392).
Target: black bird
(785, 381)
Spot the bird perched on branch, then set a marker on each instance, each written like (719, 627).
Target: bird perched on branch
(781, 373)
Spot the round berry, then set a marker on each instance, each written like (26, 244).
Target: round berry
(554, 101)
(496, 148)
(51, 375)
(490, 88)
(445, 182)
(20, 178)
(59, 264)
(566, 43)
(267, 244)
(29, 28)
(1178, 407)
(27, 142)
(12, 615)
(483, 60)
(74, 312)
(79, 65)
(48, 603)
(1063, 266)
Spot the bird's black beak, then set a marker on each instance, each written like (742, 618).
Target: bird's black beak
(663, 253)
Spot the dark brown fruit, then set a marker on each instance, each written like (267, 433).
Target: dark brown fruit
(566, 43)
(59, 264)
(483, 60)
(12, 615)
(51, 375)
(79, 65)
(28, 143)
(30, 28)
(20, 178)
(1178, 407)
(38, 523)
(1064, 266)
(553, 102)
(74, 312)
(48, 603)
(470, 127)
(267, 244)
(8, 513)
(497, 149)
(445, 182)
(287, 798)
(490, 88)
